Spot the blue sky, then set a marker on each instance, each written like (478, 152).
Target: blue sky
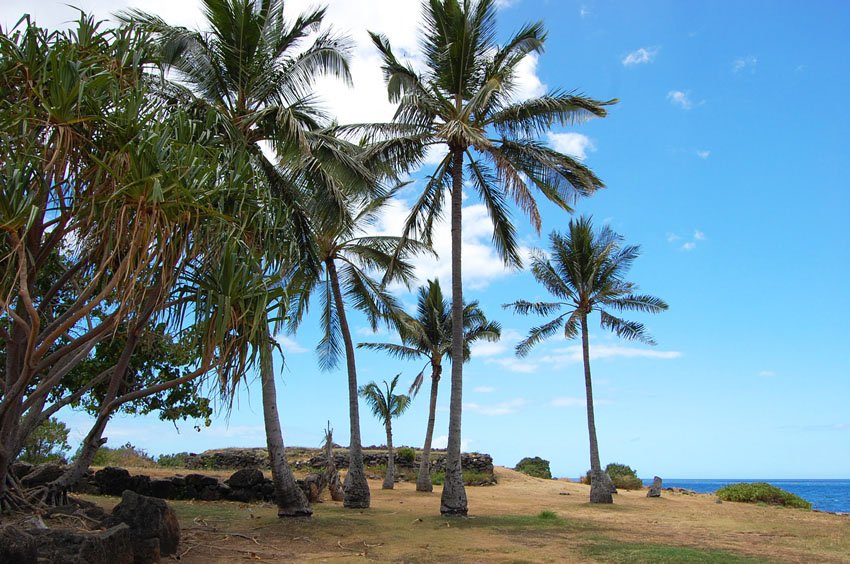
(726, 160)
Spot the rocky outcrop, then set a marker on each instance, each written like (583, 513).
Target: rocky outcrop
(112, 546)
(17, 546)
(154, 530)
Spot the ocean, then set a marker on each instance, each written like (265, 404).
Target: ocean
(824, 495)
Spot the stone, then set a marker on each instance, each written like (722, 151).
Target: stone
(245, 478)
(655, 488)
(17, 546)
(112, 481)
(150, 519)
(163, 489)
(66, 546)
(42, 474)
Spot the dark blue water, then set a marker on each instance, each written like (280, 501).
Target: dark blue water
(825, 495)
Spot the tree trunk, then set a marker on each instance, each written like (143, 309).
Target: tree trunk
(389, 477)
(423, 480)
(453, 500)
(357, 494)
(599, 490)
(291, 501)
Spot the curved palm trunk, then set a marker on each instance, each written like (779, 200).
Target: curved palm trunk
(599, 490)
(453, 500)
(423, 480)
(389, 477)
(291, 501)
(357, 494)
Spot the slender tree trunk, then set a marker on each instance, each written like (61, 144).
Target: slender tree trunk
(453, 500)
(291, 501)
(389, 477)
(423, 480)
(599, 489)
(357, 494)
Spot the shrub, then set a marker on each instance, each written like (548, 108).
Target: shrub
(48, 443)
(621, 475)
(536, 467)
(405, 455)
(177, 460)
(126, 456)
(761, 492)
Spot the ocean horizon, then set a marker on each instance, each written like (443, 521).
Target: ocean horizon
(831, 495)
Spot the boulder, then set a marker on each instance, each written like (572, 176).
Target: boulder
(202, 487)
(163, 489)
(17, 546)
(245, 478)
(67, 546)
(42, 474)
(655, 488)
(154, 530)
(112, 481)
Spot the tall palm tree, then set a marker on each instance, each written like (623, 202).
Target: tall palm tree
(586, 273)
(464, 102)
(429, 336)
(348, 260)
(253, 73)
(386, 405)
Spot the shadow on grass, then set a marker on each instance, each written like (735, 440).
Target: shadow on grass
(608, 550)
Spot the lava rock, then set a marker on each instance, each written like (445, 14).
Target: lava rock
(655, 488)
(113, 481)
(154, 530)
(17, 546)
(42, 474)
(67, 546)
(245, 478)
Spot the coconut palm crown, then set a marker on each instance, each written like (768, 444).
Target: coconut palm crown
(386, 405)
(586, 272)
(464, 101)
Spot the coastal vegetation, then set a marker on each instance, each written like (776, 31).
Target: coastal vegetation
(386, 405)
(761, 492)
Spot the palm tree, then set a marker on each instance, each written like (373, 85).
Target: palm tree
(463, 101)
(347, 260)
(253, 73)
(429, 336)
(586, 273)
(386, 405)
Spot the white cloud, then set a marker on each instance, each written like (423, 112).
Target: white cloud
(573, 144)
(288, 344)
(573, 353)
(515, 364)
(583, 11)
(443, 442)
(507, 342)
(672, 237)
(484, 389)
(481, 263)
(767, 374)
(502, 408)
(640, 56)
(681, 99)
(703, 154)
(699, 235)
(742, 63)
(526, 82)
(689, 246)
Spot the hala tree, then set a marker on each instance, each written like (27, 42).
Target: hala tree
(429, 336)
(464, 103)
(386, 405)
(586, 273)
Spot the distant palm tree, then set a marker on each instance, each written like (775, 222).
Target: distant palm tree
(349, 260)
(586, 272)
(464, 103)
(429, 336)
(386, 405)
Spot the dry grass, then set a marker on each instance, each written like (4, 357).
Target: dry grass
(522, 519)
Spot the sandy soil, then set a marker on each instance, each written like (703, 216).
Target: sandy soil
(505, 526)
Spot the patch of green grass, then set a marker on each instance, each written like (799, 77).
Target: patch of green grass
(470, 477)
(761, 492)
(616, 551)
(546, 515)
(543, 520)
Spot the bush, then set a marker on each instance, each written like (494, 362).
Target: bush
(126, 456)
(622, 476)
(177, 460)
(761, 492)
(536, 467)
(48, 443)
(405, 455)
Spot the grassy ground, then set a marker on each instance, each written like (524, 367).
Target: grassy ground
(522, 519)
